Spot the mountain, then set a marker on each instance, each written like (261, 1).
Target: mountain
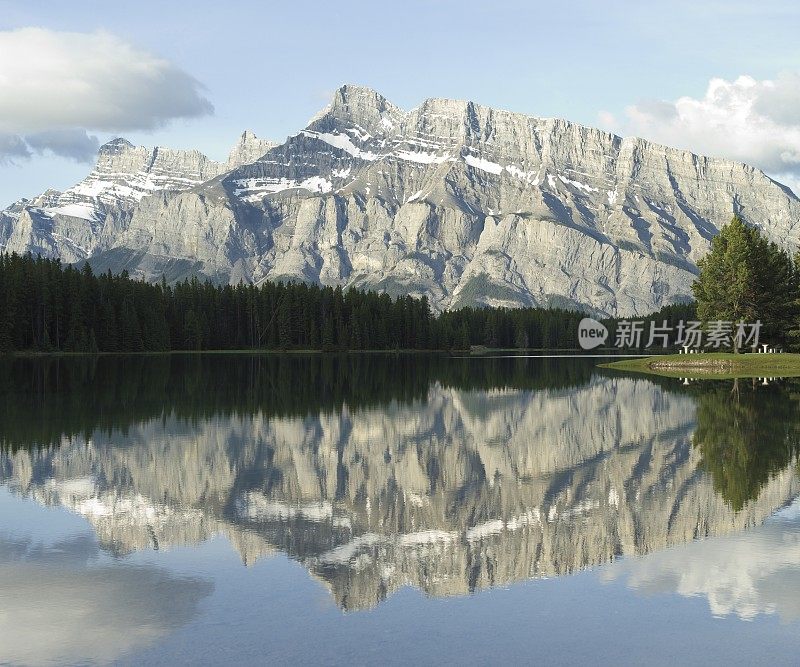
(463, 203)
(451, 492)
(75, 223)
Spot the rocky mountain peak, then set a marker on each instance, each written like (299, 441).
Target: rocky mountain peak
(351, 96)
(360, 107)
(460, 202)
(115, 146)
(248, 149)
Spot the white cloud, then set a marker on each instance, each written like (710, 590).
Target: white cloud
(56, 85)
(13, 146)
(757, 122)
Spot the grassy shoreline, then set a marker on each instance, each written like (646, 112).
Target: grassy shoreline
(713, 364)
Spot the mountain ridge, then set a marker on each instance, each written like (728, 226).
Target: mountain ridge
(456, 201)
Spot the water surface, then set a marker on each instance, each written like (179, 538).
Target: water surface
(252, 509)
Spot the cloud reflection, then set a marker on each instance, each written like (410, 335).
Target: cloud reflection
(64, 603)
(747, 574)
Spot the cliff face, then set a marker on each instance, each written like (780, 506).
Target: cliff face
(462, 491)
(463, 203)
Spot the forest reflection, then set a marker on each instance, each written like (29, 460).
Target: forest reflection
(45, 399)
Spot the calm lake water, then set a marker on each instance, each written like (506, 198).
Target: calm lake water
(238, 509)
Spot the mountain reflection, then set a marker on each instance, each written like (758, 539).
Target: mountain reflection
(376, 472)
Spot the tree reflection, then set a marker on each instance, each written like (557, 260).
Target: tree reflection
(43, 400)
(746, 433)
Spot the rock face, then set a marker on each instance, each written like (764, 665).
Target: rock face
(458, 492)
(465, 204)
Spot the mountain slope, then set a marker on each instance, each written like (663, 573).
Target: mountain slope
(463, 203)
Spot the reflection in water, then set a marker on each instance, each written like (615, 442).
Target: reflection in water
(43, 400)
(747, 574)
(746, 434)
(60, 601)
(375, 472)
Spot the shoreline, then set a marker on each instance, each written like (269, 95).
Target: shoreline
(19, 354)
(713, 364)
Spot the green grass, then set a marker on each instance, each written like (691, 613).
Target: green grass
(713, 365)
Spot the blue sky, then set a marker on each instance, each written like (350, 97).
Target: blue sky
(632, 67)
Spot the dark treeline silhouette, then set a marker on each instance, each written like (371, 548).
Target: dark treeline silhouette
(49, 307)
(43, 400)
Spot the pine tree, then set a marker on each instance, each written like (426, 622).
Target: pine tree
(726, 275)
(794, 330)
(520, 335)
(285, 337)
(193, 331)
(746, 278)
(774, 289)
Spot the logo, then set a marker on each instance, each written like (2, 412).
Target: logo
(591, 333)
(689, 336)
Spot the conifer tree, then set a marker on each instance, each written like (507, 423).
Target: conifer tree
(726, 275)
(745, 278)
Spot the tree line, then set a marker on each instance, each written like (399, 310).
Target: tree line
(50, 307)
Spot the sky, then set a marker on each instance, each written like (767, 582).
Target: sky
(721, 78)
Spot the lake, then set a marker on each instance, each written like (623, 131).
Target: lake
(261, 509)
